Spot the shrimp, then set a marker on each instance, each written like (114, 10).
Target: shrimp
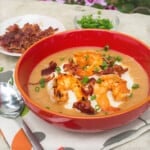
(112, 83)
(65, 82)
(88, 62)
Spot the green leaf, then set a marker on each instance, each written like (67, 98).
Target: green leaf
(25, 111)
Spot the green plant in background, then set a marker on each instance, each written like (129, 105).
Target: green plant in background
(131, 6)
(126, 6)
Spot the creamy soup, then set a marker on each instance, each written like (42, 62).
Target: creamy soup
(88, 81)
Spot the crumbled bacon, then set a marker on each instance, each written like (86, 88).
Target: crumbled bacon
(70, 67)
(115, 69)
(119, 69)
(84, 106)
(87, 90)
(18, 39)
(51, 68)
(47, 79)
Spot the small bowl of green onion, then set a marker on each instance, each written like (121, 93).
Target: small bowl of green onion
(97, 21)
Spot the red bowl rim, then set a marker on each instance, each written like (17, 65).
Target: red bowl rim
(27, 99)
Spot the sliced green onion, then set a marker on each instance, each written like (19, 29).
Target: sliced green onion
(96, 69)
(99, 80)
(104, 65)
(58, 69)
(93, 97)
(1, 69)
(11, 81)
(42, 83)
(47, 107)
(130, 95)
(97, 108)
(85, 80)
(84, 67)
(62, 59)
(106, 48)
(118, 58)
(86, 57)
(89, 21)
(37, 89)
(135, 86)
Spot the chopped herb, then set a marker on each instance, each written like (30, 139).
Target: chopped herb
(42, 83)
(99, 80)
(85, 80)
(105, 113)
(96, 69)
(47, 107)
(84, 67)
(58, 69)
(70, 59)
(93, 97)
(118, 58)
(86, 57)
(130, 95)
(1, 69)
(90, 21)
(108, 57)
(106, 48)
(104, 65)
(135, 86)
(11, 81)
(37, 89)
(97, 108)
(62, 59)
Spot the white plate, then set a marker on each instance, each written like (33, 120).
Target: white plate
(43, 21)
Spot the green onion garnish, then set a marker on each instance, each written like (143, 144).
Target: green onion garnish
(106, 48)
(37, 89)
(85, 80)
(1, 69)
(97, 108)
(130, 95)
(89, 21)
(42, 83)
(118, 58)
(86, 57)
(93, 97)
(96, 69)
(47, 107)
(99, 80)
(58, 69)
(104, 65)
(135, 86)
(62, 59)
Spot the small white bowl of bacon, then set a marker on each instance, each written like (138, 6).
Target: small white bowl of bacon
(19, 33)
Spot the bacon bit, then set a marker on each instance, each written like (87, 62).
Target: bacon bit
(92, 81)
(18, 39)
(119, 69)
(45, 80)
(70, 67)
(116, 69)
(51, 68)
(87, 90)
(84, 106)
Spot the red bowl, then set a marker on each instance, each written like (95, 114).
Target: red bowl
(117, 41)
